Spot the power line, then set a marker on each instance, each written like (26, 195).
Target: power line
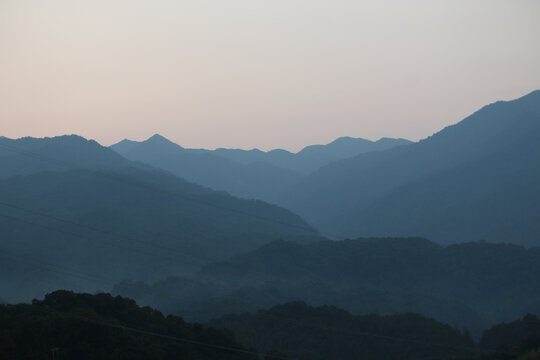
(163, 336)
(194, 342)
(97, 278)
(88, 227)
(115, 282)
(396, 338)
(69, 271)
(63, 270)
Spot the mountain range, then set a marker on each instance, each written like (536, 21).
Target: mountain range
(474, 180)
(245, 173)
(73, 202)
(126, 212)
(311, 157)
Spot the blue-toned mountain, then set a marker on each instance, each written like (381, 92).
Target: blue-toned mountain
(478, 179)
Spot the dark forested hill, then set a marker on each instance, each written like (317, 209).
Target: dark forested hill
(497, 282)
(475, 180)
(472, 285)
(308, 333)
(66, 325)
(517, 336)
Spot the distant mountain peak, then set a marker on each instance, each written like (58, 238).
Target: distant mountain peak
(161, 140)
(157, 137)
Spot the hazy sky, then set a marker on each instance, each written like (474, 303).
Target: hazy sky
(258, 73)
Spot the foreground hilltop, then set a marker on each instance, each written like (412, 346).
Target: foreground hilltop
(67, 325)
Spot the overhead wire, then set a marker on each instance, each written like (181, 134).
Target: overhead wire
(162, 336)
(69, 271)
(99, 230)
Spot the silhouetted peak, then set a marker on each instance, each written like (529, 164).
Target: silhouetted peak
(158, 139)
(125, 141)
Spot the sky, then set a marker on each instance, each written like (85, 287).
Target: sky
(259, 73)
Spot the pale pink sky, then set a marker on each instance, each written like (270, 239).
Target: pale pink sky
(259, 73)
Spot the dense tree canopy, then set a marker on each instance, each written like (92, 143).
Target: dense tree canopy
(309, 333)
(83, 326)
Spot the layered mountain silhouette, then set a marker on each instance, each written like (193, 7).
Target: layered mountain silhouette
(253, 181)
(149, 223)
(246, 173)
(474, 180)
(311, 157)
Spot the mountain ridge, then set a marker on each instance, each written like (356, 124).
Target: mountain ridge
(334, 197)
(244, 173)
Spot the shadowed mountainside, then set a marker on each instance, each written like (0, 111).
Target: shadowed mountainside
(118, 222)
(474, 180)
